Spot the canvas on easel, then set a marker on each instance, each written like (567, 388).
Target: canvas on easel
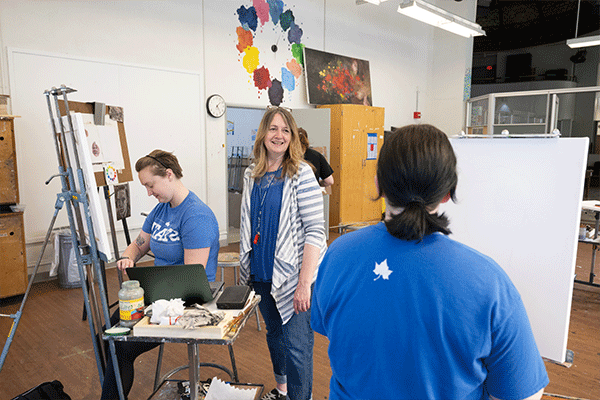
(99, 145)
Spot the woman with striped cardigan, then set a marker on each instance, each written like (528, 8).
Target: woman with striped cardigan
(282, 242)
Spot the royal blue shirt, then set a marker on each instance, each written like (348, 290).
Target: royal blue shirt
(428, 320)
(266, 201)
(190, 225)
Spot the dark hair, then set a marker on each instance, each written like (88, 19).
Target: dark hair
(160, 161)
(416, 169)
(303, 139)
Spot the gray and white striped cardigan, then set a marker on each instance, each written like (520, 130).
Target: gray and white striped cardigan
(300, 221)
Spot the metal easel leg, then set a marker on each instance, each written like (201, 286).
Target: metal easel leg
(17, 317)
(75, 196)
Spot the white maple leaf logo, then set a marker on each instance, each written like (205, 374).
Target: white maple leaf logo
(382, 270)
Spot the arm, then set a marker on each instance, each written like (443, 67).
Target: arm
(327, 181)
(196, 256)
(307, 271)
(536, 396)
(310, 207)
(134, 251)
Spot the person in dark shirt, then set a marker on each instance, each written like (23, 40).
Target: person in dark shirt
(322, 169)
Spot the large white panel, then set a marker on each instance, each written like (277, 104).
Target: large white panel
(519, 201)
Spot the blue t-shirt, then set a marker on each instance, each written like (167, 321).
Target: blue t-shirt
(190, 225)
(265, 199)
(428, 320)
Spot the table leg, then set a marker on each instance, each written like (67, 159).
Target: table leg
(194, 370)
(595, 247)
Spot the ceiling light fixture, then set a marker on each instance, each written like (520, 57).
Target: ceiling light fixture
(582, 41)
(436, 16)
(376, 2)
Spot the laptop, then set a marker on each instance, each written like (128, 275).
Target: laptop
(185, 281)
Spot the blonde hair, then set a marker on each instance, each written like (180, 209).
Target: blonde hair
(293, 155)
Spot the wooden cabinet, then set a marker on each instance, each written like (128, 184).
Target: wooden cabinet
(13, 263)
(355, 140)
(9, 188)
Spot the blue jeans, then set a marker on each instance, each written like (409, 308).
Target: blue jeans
(290, 345)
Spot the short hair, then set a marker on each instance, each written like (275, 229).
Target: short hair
(159, 161)
(294, 154)
(416, 169)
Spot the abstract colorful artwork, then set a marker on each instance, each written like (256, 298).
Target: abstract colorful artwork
(270, 48)
(335, 79)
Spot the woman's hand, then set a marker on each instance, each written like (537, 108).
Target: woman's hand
(124, 263)
(302, 298)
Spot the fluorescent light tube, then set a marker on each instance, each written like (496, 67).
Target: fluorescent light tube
(376, 2)
(436, 16)
(584, 41)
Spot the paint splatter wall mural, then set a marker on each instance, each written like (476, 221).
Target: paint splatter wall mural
(269, 43)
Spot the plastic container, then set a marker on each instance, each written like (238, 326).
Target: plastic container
(68, 271)
(131, 303)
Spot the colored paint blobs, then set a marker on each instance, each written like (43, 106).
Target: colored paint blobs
(245, 39)
(262, 11)
(294, 34)
(298, 53)
(287, 80)
(248, 17)
(262, 78)
(275, 9)
(294, 67)
(250, 60)
(275, 92)
(286, 19)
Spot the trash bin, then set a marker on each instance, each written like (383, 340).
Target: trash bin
(68, 271)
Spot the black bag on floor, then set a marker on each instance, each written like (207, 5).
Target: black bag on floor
(45, 391)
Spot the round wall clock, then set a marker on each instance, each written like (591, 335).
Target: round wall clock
(215, 105)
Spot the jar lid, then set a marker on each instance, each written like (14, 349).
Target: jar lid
(131, 283)
(117, 331)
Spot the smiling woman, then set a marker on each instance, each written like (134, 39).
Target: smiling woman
(282, 242)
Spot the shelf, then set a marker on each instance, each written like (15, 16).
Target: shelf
(523, 124)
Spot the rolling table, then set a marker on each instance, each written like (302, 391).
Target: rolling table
(593, 206)
(193, 353)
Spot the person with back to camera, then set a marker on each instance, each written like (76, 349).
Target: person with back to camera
(181, 229)
(282, 241)
(411, 313)
(322, 169)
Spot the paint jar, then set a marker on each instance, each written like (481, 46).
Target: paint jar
(131, 303)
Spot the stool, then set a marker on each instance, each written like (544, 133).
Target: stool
(233, 260)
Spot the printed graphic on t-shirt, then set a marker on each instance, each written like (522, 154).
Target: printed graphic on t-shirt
(382, 270)
(164, 234)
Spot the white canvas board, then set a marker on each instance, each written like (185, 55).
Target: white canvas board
(519, 201)
(103, 142)
(94, 200)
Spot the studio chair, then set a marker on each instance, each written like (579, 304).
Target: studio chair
(232, 260)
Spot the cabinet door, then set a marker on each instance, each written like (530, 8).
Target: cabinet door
(9, 189)
(13, 264)
(374, 117)
(353, 149)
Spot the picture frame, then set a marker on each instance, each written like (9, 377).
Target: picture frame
(336, 79)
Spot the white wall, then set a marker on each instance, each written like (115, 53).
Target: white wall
(200, 36)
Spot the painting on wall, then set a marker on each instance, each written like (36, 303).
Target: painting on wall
(269, 46)
(335, 79)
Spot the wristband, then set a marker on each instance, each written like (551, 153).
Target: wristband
(123, 258)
